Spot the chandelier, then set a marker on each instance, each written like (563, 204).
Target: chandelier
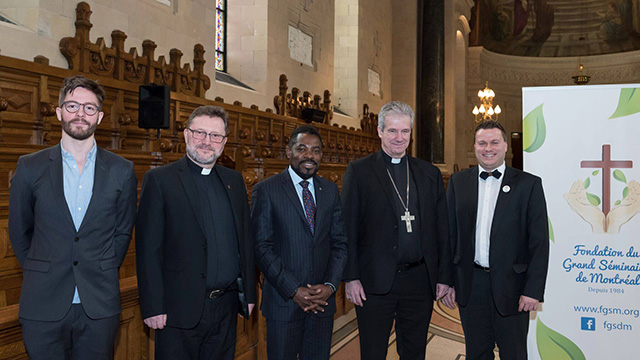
(486, 111)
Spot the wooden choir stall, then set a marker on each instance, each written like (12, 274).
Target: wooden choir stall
(255, 148)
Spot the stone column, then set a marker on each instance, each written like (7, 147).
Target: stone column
(429, 120)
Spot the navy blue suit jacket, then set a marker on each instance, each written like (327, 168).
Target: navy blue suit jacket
(286, 251)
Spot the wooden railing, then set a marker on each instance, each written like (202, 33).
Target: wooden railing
(255, 148)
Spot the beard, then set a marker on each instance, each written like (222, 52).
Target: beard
(79, 134)
(303, 172)
(192, 151)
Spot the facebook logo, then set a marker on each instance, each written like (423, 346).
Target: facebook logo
(588, 324)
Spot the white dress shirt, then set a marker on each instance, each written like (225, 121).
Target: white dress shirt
(488, 191)
(296, 179)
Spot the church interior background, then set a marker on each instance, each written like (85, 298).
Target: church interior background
(267, 60)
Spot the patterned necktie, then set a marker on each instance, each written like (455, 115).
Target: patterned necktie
(309, 205)
(495, 173)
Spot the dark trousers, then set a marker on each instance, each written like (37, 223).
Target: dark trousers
(484, 327)
(410, 303)
(309, 337)
(214, 337)
(76, 335)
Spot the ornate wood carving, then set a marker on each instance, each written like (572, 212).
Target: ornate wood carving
(95, 58)
(292, 105)
(369, 122)
(256, 148)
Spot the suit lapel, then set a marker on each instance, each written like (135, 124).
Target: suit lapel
(504, 197)
(468, 203)
(290, 192)
(55, 173)
(320, 202)
(190, 189)
(380, 169)
(99, 177)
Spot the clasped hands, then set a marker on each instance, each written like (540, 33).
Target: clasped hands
(355, 294)
(313, 298)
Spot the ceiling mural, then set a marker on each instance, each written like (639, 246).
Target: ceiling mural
(556, 27)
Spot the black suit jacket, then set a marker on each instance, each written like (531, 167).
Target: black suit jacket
(519, 238)
(54, 256)
(372, 223)
(170, 242)
(286, 251)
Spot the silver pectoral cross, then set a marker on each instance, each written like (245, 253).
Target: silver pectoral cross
(407, 217)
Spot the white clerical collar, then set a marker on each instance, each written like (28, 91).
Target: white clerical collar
(206, 171)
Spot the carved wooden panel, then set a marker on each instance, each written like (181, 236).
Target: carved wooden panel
(255, 147)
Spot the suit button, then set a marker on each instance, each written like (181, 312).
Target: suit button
(204, 246)
(76, 239)
(395, 226)
(202, 275)
(75, 263)
(395, 247)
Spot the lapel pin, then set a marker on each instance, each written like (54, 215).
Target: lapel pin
(229, 187)
(506, 188)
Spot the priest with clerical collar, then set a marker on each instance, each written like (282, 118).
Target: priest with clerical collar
(398, 249)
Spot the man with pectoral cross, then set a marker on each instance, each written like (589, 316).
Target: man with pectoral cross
(398, 249)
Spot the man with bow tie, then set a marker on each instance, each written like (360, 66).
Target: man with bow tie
(500, 242)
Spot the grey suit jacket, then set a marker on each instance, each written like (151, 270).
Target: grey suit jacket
(286, 251)
(54, 256)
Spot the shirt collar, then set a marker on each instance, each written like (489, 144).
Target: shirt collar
(296, 178)
(91, 155)
(197, 169)
(389, 159)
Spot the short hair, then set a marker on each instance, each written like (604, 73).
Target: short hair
(73, 82)
(211, 111)
(304, 129)
(395, 107)
(487, 125)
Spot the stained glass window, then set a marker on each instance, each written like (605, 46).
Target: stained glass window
(221, 35)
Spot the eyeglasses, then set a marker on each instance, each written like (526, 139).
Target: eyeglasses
(73, 107)
(201, 135)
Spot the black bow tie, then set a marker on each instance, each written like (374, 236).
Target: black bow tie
(495, 173)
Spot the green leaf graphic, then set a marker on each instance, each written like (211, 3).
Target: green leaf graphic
(618, 175)
(625, 192)
(617, 203)
(628, 104)
(534, 130)
(552, 236)
(595, 172)
(554, 346)
(593, 199)
(587, 182)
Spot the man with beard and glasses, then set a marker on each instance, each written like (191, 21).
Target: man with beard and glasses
(71, 213)
(193, 244)
(301, 249)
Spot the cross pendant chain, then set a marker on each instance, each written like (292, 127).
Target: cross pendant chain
(407, 217)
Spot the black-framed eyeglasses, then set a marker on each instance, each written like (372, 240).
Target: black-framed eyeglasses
(73, 107)
(201, 135)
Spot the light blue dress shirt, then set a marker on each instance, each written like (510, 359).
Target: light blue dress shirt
(78, 188)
